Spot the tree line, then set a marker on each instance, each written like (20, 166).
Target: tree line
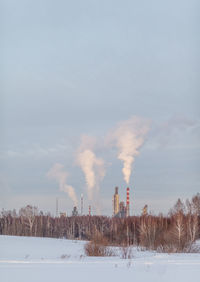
(175, 232)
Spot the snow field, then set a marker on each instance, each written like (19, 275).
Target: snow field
(28, 259)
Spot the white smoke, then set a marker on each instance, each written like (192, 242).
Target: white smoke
(128, 137)
(57, 173)
(92, 167)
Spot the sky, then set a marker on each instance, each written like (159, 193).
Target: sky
(80, 68)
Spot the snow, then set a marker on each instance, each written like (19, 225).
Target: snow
(28, 259)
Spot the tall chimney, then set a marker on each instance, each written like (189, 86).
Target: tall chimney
(56, 207)
(116, 202)
(127, 202)
(81, 204)
(89, 210)
(113, 210)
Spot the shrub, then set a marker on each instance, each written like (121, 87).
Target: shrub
(98, 247)
(174, 248)
(126, 252)
(98, 250)
(65, 256)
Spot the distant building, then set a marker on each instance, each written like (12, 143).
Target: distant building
(145, 210)
(63, 214)
(75, 211)
(122, 207)
(89, 210)
(122, 210)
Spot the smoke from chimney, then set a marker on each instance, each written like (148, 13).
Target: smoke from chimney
(92, 167)
(57, 173)
(128, 137)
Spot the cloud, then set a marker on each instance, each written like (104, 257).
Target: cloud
(167, 131)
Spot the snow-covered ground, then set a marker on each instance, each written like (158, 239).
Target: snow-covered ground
(26, 259)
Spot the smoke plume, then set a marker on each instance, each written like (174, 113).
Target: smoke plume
(128, 137)
(57, 173)
(92, 167)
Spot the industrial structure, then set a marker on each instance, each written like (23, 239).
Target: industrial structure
(122, 210)
(127, 202)
(116, 202)
(81, 204)
(119, 208)
(145, 210)
(56, 207)
(63, 214)
(89, 210)
(75, 211)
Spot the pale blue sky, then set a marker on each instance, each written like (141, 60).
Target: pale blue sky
(79, 67)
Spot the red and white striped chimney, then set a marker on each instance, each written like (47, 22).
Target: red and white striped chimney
(127, 202)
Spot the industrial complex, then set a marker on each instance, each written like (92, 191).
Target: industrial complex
(119, 208)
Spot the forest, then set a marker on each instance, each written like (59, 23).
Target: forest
(175, 232)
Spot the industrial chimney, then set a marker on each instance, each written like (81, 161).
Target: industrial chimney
(56, 207)
(81, 204)
(116, 202)
(127, 202)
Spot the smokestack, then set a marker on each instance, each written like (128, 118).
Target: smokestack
(127, 202)
(89, 210)
(116, 201)
(81, 204)
(113, 211)
(56, 207)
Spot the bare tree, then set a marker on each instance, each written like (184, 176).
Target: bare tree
(196, 204)
(28, 216)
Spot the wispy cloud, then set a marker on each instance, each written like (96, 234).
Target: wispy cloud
(34, 151)
(165, 133)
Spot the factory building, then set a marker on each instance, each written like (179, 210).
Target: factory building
(122, 210)
(63, 214)
(75, 211)
(145, 210)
